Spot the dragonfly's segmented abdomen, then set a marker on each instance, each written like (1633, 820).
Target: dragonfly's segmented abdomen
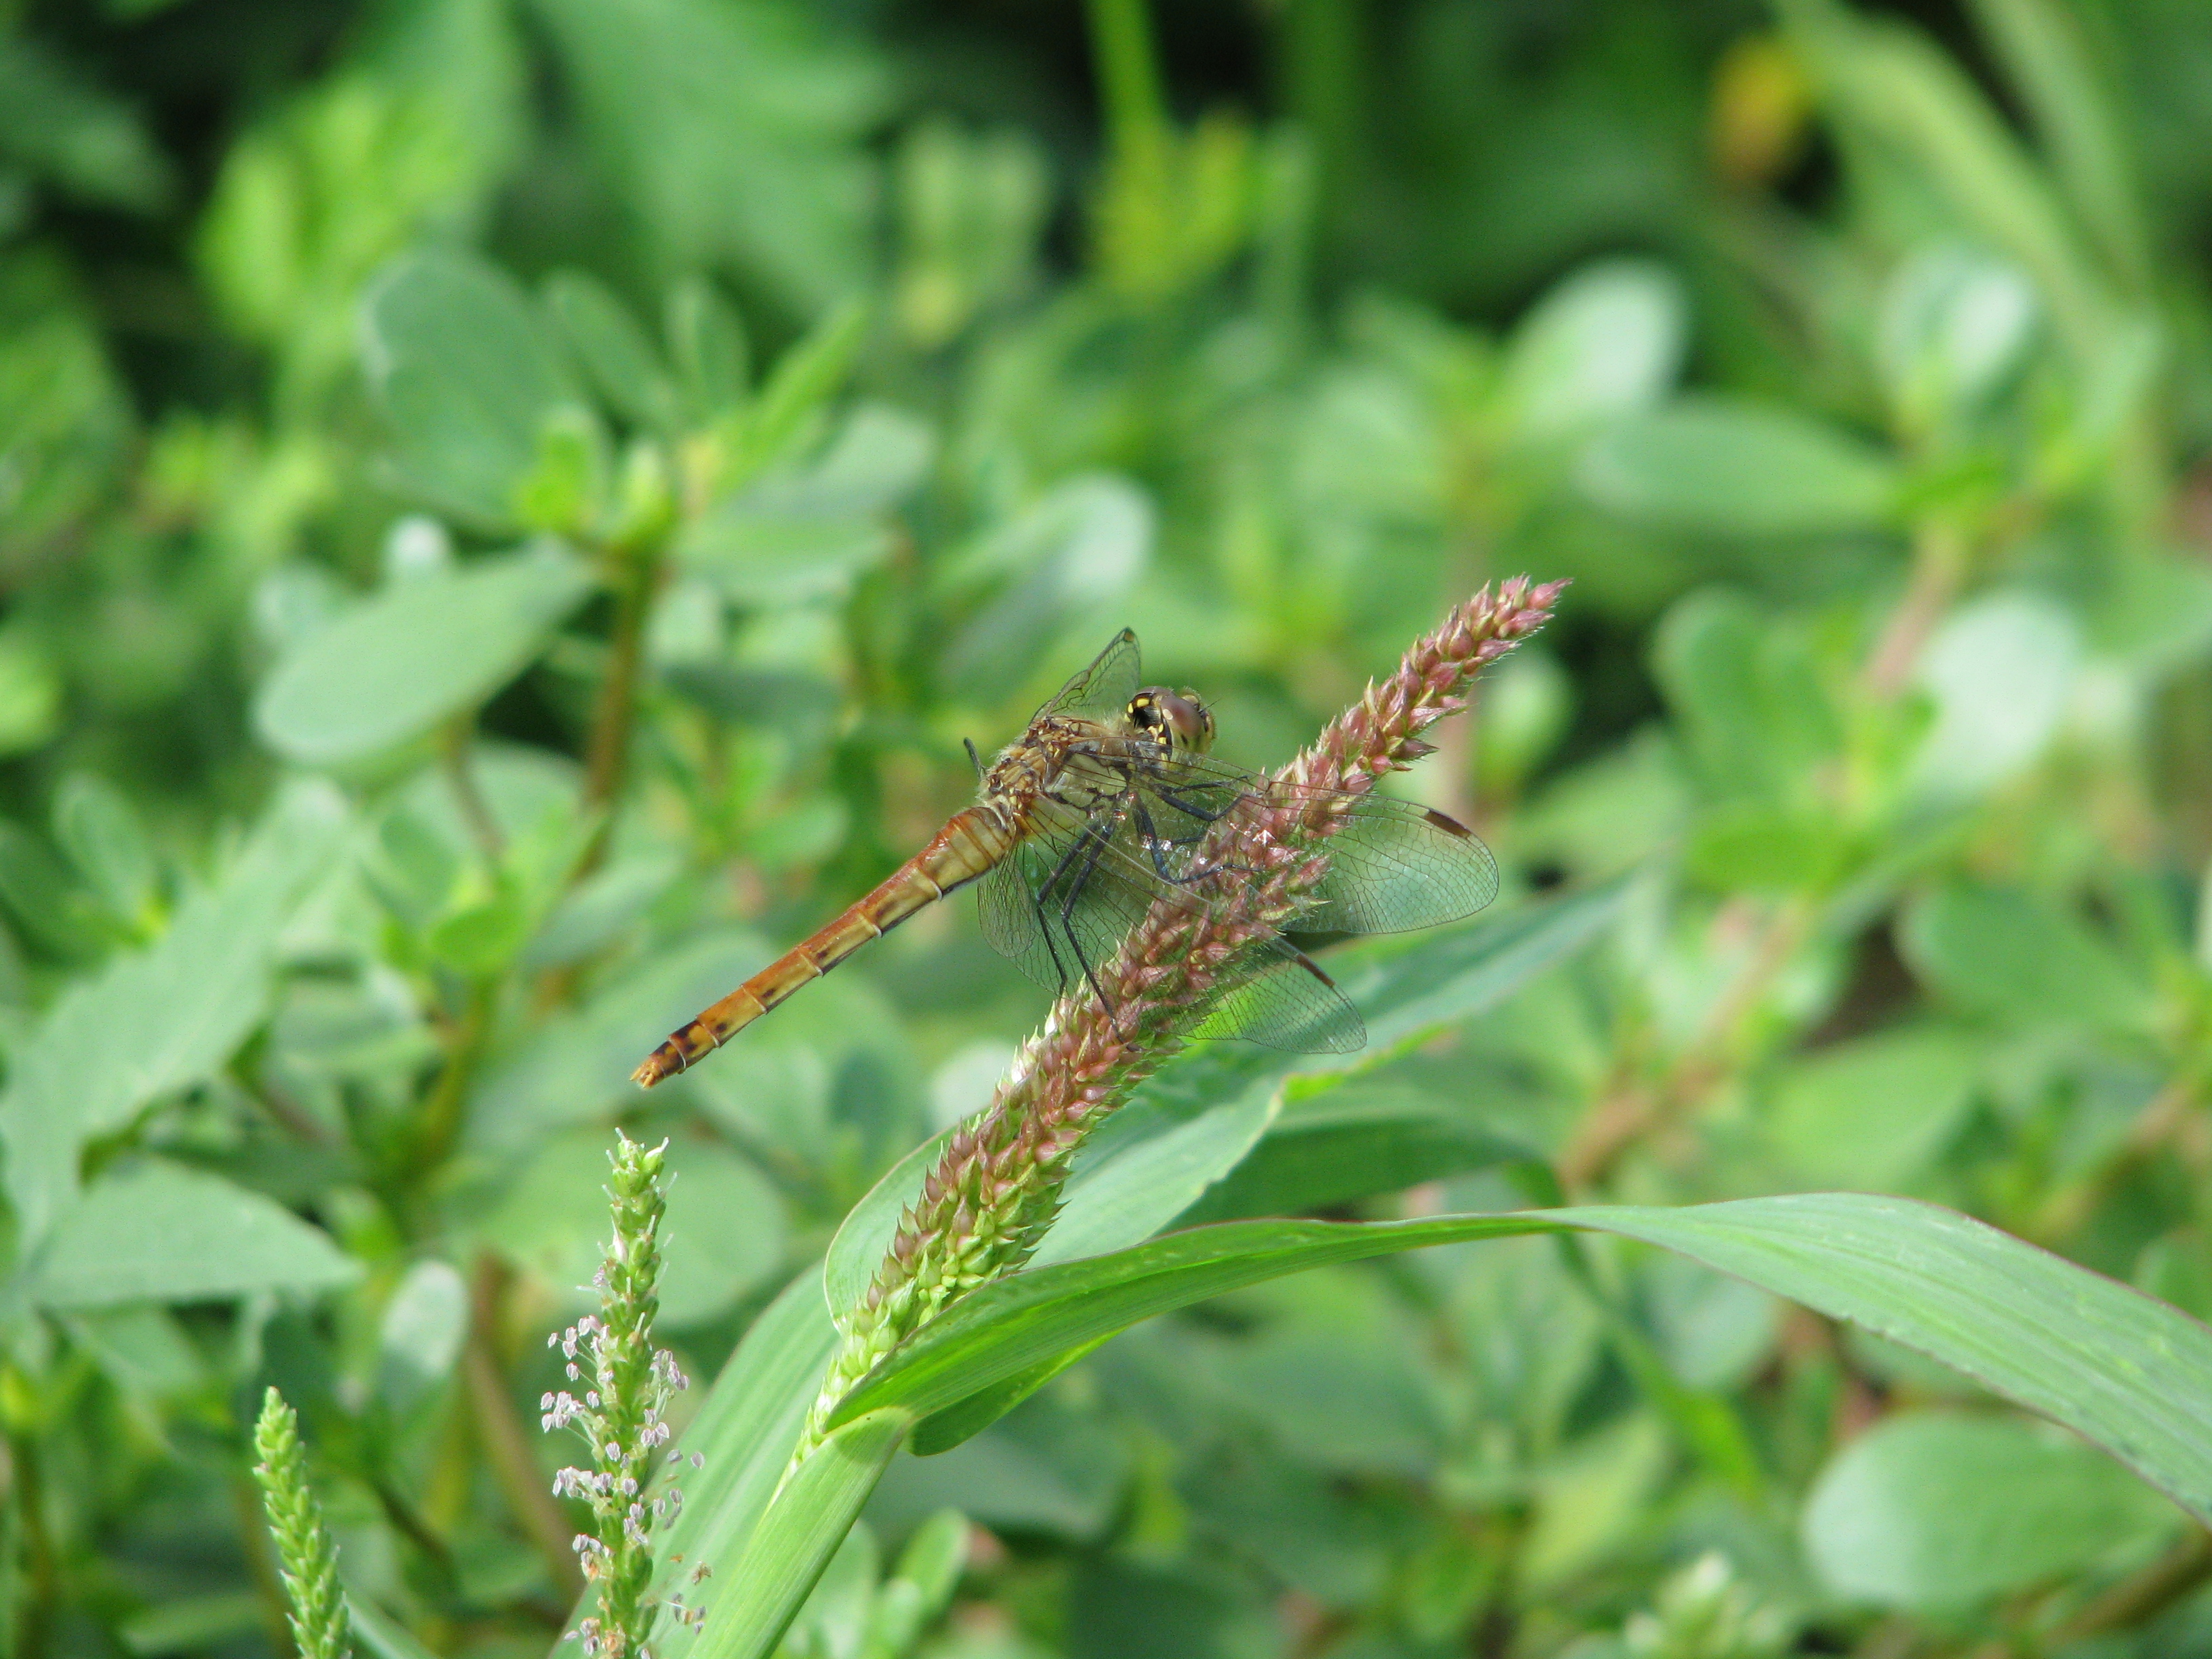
(968, 845)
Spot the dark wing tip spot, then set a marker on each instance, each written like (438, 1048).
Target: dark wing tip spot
(1451, 826)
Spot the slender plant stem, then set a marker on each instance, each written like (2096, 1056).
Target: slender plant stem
(2143, 1595)
(1940, 557)
(606, 754)
(507, 1444)
(454, 753)
(441, 1113)
(1636, 1110)
(1128, 74)
(35, 1617)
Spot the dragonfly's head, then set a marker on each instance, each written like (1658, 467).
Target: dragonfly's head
(1176, 720)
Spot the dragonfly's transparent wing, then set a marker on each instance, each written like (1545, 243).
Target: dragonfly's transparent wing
(1393, 865)
(1278, 997)
(1102, 690)
(1008, 913)
(1060, 904)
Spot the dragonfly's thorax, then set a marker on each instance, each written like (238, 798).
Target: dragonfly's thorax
(1080, 764)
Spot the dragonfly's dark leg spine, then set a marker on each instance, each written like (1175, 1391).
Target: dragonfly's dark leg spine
(1198, 812)
(1098, 843)
(1044, 920)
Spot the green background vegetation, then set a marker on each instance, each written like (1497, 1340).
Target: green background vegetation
(507, 508)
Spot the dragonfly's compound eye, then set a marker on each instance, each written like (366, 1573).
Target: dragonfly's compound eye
(1176, 719)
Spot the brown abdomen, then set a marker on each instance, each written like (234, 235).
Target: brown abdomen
(968, 845)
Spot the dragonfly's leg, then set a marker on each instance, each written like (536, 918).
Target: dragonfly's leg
(1097, 844)
(1052, 948)
(1203, 814)
(1090, 847)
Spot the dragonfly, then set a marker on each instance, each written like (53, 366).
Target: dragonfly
(1108, 804)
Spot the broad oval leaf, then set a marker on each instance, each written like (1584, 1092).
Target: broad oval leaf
(413, 654)
(462, 368)
(1932, 1511)
(157, 1232)
(1713, 466)
(186, 1001)
(1607, 340)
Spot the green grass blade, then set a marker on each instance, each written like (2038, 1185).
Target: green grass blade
(2125, 1371)
(749, 1603)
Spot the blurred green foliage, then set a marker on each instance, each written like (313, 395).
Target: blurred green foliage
(507, 508)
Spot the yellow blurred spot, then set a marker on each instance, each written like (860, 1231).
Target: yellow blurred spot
(1762, 106)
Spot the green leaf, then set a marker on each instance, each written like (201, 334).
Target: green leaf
(723, 1234)
(464, 372)
(1893, 85)
(713, 357)
(1954, 325)
(940, 1431)
(100, 830)
(380, 1635)
(1933, 1512)
(2000, 672)
(1605, 342)
(1349, 1144)
(1753, 847)
(1748, 696)
(1076, 549)
(616, 354)
(1872, 1112)
(764, 1588)
(1708, 466)
(155, 1022)
(736, 135)
(1028, 1319)
(778, 559)
(2011, 957)
(1405, 989)
(30, 695)
(1405, 993)
(1409, 991)
(156, 1233)
(2127, 1373)
(805, 377)
(2079, 118)
(1126, 1199)
(413, 654)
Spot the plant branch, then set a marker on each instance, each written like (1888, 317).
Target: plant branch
(1939, 565)
(500, 1428)
(441, 1113)
(455, 755)
(606, 754)
(1129, 74)
(35, 1614)
(2142, 1596)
